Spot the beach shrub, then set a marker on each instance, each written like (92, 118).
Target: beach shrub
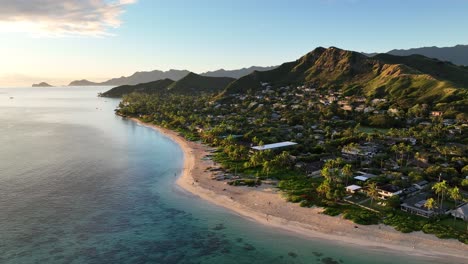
(332, 211)
(236, 183)
(361, 216)
(440, 231)
(403, 222)
(294, 198)
(252, 182)
(245, 182)
(306, 203)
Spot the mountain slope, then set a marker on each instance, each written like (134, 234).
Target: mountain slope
(236, 73)
(191, 84)
(151, 87)
(282, 75)
(405, 80)
(434, 67)
(194, 83)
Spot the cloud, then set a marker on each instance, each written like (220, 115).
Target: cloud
(62, 17)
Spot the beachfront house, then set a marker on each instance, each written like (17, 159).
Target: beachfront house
(417, 209)
(388, 190)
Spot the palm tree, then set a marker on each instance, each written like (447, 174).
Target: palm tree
(347, 172)
(282, 160)
(266, 167)
(350, 147)
(394, 149)
(401, 149)
(430, 204)
(455, 195)
(372, 191)
(229, 140)
(444, 150)
(324, 188)
(408, 149)
(440, 189)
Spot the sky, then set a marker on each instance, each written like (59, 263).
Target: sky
(63, 40)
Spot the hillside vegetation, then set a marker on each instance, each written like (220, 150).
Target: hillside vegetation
(194, 84)
(150, 88)
(408, 80)
(191, 84)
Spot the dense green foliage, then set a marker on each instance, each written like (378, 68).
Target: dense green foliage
(354, 213)
(190, 84)
(405, 223)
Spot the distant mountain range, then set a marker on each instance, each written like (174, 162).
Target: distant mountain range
(42, 84)
(145, 77)
(191, 84)
(457, 54)
(236, 74)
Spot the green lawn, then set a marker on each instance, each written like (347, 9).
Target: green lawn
(458, 224)
(375, 205)
(370, 130)
(356, 198)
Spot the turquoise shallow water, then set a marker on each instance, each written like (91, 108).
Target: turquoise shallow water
(81, 185)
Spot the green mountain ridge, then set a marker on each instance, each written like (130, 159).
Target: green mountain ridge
(194, 83)
(151, 87)
(407, 80)
(191, 84)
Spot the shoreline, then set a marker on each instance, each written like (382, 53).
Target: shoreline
(265, 205)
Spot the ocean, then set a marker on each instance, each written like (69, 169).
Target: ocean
(79, 184)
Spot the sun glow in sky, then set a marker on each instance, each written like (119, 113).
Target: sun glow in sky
(62, 40)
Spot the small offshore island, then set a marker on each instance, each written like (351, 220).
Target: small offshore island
(42, 84)
(366, 150)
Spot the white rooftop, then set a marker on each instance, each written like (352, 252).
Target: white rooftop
(361, 178)
(353, 187)
(275, 145)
